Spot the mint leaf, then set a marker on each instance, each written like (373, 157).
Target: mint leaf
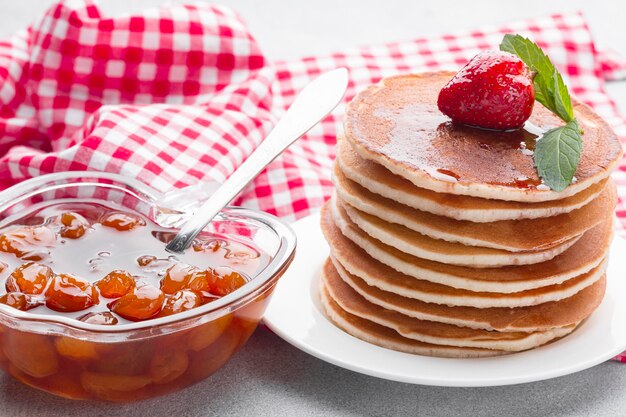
(550, 90)
(543, 92)
(558, 151)
(529, 52)
(557, 154)
(562, 101)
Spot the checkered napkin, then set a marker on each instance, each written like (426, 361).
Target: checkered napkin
(173, 96)
(179, 95)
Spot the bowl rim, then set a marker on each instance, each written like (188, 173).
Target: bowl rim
(279, 261)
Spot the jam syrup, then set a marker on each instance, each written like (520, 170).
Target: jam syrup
(108, 266)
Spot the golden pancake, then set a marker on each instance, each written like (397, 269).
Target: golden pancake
(433, 332)
(422, 246)
(429, 292)
(541, 317)
(435, 277)
(383, 182)
(397, 124)
(509, 235)
(384, 337)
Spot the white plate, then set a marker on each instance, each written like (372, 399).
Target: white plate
(294, 314)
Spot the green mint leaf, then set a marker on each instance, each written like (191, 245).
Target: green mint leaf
(557, 154)
(558, 151)
(562, 101)
(544, 92)
(550, 90)
(529, 52)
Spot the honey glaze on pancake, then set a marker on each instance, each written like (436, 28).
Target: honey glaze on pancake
(389, 339)
(423, 137)
(540, 317)
(431, 331)
(397, 123)
(379, 180)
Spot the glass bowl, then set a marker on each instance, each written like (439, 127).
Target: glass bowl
(130, 362)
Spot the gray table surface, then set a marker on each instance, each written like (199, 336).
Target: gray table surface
(269, 377)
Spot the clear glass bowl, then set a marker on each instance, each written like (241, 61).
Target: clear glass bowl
(130, 362)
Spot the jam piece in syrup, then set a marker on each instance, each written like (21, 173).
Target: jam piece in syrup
(180, 301)
(122, 221)
(69, 293)
(20, 300)
(73, 225)
(141, 304)
(224, 280)
(27, 242)
(29, 278)
(177, 277)
(116, 284)
(200, 282)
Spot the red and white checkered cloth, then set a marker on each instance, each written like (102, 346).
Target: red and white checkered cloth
(183, 94)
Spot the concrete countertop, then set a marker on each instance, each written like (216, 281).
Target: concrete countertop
(269, 377)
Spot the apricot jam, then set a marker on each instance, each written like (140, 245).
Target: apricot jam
(104, 266)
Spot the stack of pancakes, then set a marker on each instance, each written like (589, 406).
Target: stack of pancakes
(443, 239)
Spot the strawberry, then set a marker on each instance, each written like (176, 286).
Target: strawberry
(493, 91)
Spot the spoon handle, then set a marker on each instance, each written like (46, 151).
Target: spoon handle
(313, 103)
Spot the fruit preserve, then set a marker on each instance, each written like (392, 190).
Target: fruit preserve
(108, 266)
(86, 275)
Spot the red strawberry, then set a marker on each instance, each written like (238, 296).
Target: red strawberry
(494, 91)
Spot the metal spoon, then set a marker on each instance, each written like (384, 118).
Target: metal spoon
(313, 103)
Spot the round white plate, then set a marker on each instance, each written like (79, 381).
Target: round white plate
(294, 314)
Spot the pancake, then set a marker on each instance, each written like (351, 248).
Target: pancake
(424, 247)
(509, 235)
(397, 124)
(434, 332)
(383, 182)
(541, 317)
(386, 338)
(434, 277)
(429, 292)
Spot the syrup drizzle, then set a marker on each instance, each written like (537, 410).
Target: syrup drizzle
(422, 137)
